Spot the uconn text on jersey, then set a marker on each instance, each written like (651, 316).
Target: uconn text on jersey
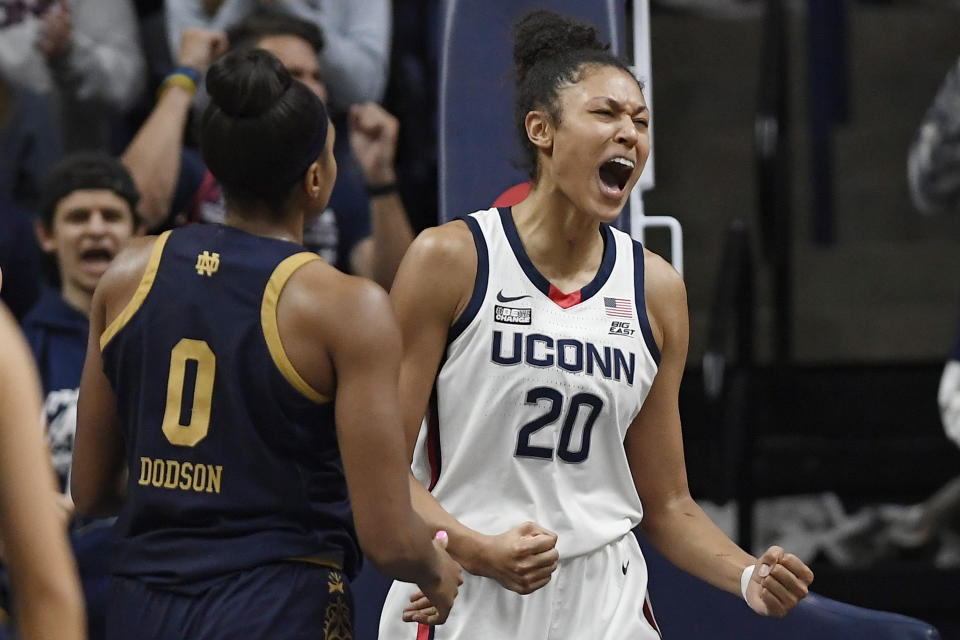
(568, 354)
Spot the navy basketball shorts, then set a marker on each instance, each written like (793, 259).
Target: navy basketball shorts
(290, 600)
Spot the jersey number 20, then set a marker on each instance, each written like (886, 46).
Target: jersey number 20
(198, 415)
(588, 400)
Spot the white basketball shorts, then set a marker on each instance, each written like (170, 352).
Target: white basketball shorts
(600, 595)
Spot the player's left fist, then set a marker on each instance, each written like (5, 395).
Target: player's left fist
(780, 580)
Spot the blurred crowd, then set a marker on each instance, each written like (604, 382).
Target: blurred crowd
(99, 105)
(125, 78)
(100, 102)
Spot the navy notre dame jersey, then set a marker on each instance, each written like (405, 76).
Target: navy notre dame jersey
(233, 457)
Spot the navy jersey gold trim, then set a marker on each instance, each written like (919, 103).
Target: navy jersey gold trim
(146, 281)
(268, 317)
(233, 459)
(330, 561)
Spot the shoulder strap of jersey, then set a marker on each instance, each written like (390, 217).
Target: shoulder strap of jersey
(146, 282)
(271, 330)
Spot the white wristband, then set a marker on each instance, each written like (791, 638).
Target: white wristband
(745, 580)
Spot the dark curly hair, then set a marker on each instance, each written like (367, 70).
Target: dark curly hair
(85, 170)
(549, 51)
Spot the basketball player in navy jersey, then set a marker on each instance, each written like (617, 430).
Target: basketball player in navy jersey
(207, 413)
(549, 348)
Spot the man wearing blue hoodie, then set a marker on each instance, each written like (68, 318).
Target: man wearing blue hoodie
(86, 216)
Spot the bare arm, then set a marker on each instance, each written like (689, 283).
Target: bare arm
(48, 600)
(153, 156)
(672, 520)
(361, 337)
(373, 141)
(432, 288)
(96, 479)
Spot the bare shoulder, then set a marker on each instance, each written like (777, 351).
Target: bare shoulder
(132, 259)
(663, 286)
(319, 289)
(330, 322)
(448, 246)
(325, 305)
(666, 299)
(438, 272)
(122, 277)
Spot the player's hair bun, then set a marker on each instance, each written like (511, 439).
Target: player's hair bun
(541, 35)
(246, 84)
(261, 130)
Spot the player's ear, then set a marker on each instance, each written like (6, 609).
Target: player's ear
(539, 128)
(313, 180)
(45, 237)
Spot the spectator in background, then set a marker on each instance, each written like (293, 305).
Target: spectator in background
(29, 141)
(83, 54)
(364, 231)
(19, 258)
(86, 216)
(933, 173)
(356, 32)
(29, 145)
(412, 97)
(933, 164)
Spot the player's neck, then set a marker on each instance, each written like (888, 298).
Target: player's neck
(558, 238)
(264, 223)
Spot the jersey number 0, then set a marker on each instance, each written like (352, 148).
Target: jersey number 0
(197, 423)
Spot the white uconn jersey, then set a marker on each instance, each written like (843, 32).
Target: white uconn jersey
(536, 392)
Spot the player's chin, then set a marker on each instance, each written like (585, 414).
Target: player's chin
(606, 211)
(608, 203)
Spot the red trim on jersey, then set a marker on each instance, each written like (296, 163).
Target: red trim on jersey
(564, 300)
(648, 614)
(514, 195)
(424, 632)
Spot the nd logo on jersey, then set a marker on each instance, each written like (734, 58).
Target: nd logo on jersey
(207, 263)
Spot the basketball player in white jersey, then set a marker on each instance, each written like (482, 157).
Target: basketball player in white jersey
(549, 348)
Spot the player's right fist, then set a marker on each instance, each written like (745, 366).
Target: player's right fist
(522, 559)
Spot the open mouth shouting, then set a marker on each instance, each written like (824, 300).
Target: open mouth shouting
(95, 260)
(614, 174)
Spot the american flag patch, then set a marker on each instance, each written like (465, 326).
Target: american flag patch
(618, 307)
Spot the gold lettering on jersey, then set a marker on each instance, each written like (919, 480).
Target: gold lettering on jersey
(185, 476)
(207, 263)
(335, 582)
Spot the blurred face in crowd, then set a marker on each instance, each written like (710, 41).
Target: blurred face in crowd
(89, 228)
(299, 58)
